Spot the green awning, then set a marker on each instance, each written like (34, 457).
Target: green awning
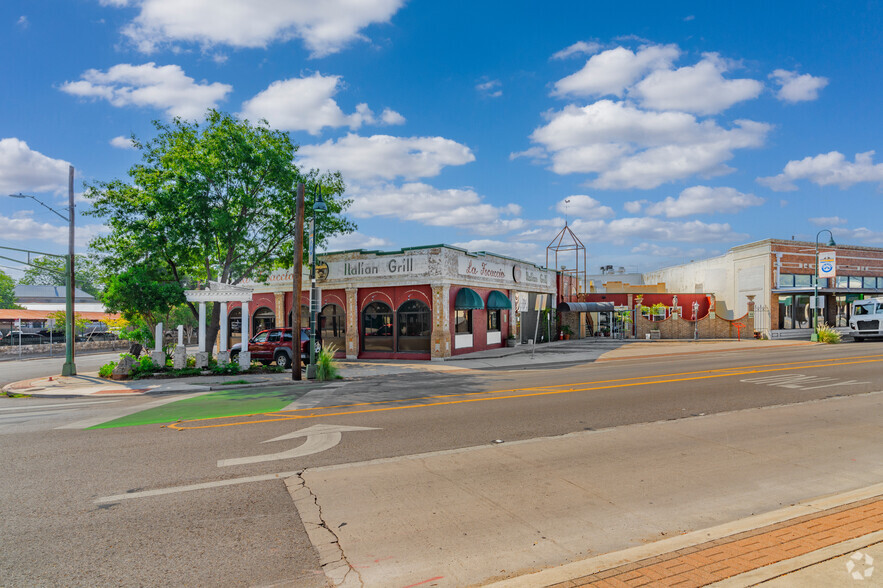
(468, 299)
(498, 301)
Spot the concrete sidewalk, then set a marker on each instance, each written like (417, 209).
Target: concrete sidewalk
(521, 357)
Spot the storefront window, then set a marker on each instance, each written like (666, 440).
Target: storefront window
(493, 320)
(234, 327)
(377, 327)
(802, 312)
(414, 327)
(842, 282)
(263, 319)
(786, 280)
(786, 312)
(462, 322)
(855, 282)
(332, 326)
(802, 280)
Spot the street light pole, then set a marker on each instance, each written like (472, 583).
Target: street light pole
(69, 368)
(318, 206)
(815, 301)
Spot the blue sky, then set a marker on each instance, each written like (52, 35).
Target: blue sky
(675, 130)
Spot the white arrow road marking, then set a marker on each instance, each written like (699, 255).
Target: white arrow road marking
(319, 438)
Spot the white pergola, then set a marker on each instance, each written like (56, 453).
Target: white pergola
(222, 293)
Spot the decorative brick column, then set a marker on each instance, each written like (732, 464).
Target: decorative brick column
(513, 316)
(280, 308)
(441, 322)
(352, 323)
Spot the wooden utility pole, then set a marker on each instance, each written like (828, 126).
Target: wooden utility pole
(298, 267)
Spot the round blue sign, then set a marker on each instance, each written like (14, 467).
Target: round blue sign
(827, 267)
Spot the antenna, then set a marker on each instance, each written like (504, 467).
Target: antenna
(566, 206)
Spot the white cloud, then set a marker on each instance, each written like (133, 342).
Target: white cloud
(419, 202)
(582, 206)
(578, 48)
(827, 169)
(614, 70)
(861, 234)
(23, 170)
(630, 148)
(391, 117)
(827, 221)
(356, 240)
(621, 231)
(385, 157)
(325, 27)
(701, 200)
(635, 206)
(122, 142)
(797, 88)
(164, 87)
(700, 88)
(23, 22)
(22, 227)
(490, 89)
(518, 249)
(307, 104)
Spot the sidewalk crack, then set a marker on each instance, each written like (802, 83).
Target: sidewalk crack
(325, 540)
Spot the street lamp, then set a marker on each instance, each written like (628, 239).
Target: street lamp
(69, 368)
(318, 206)
(815, 302)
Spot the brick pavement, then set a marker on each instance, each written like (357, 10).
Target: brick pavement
(723, 558)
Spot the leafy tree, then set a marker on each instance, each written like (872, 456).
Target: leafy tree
(60, 318)
(7, 291)
(142, 293)
(50, 271)
(211, 202)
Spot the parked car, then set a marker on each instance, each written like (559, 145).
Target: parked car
(16, 337)
(275, 345)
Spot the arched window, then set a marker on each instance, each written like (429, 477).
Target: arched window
(264, 319)
(377, 327)
(304, 317)
(414, 327)
(332, 325)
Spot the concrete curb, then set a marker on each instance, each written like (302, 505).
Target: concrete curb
(607, 561)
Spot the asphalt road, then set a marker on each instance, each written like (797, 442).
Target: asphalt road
(58, 527)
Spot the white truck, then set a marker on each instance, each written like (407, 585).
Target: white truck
(866, 319)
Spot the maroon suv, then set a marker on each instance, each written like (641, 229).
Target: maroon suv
(275, 345)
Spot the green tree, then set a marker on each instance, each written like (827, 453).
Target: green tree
(7, 291)
(60, 318)
(211, 202)
(50, 271)
(142, 293)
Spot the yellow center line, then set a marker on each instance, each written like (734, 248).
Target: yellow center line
(528, 392)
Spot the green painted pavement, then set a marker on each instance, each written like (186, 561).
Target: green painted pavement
(223, 403)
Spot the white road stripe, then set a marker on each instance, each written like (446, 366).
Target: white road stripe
(191, 487)
(67, 405)
(18, 415)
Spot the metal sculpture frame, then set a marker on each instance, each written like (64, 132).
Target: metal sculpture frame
(564, 242)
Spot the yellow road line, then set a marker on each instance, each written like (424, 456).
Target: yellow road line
(530, 392)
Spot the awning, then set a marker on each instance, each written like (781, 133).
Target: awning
(468, 299)
(496, 300)
(585, 307)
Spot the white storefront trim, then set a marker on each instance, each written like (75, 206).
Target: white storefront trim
(463, 341)
(494, 337)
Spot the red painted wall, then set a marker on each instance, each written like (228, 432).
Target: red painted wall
(479, 323)
(394, 297)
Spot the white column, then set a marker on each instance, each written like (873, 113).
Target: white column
(202, 327)
(223, 342)
(246, 320)
(158, 339)
(180, 335)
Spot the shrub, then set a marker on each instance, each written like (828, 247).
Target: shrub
(326, 366)
(106, 370)
(144, 367)
(828, 334)
(224, 370)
